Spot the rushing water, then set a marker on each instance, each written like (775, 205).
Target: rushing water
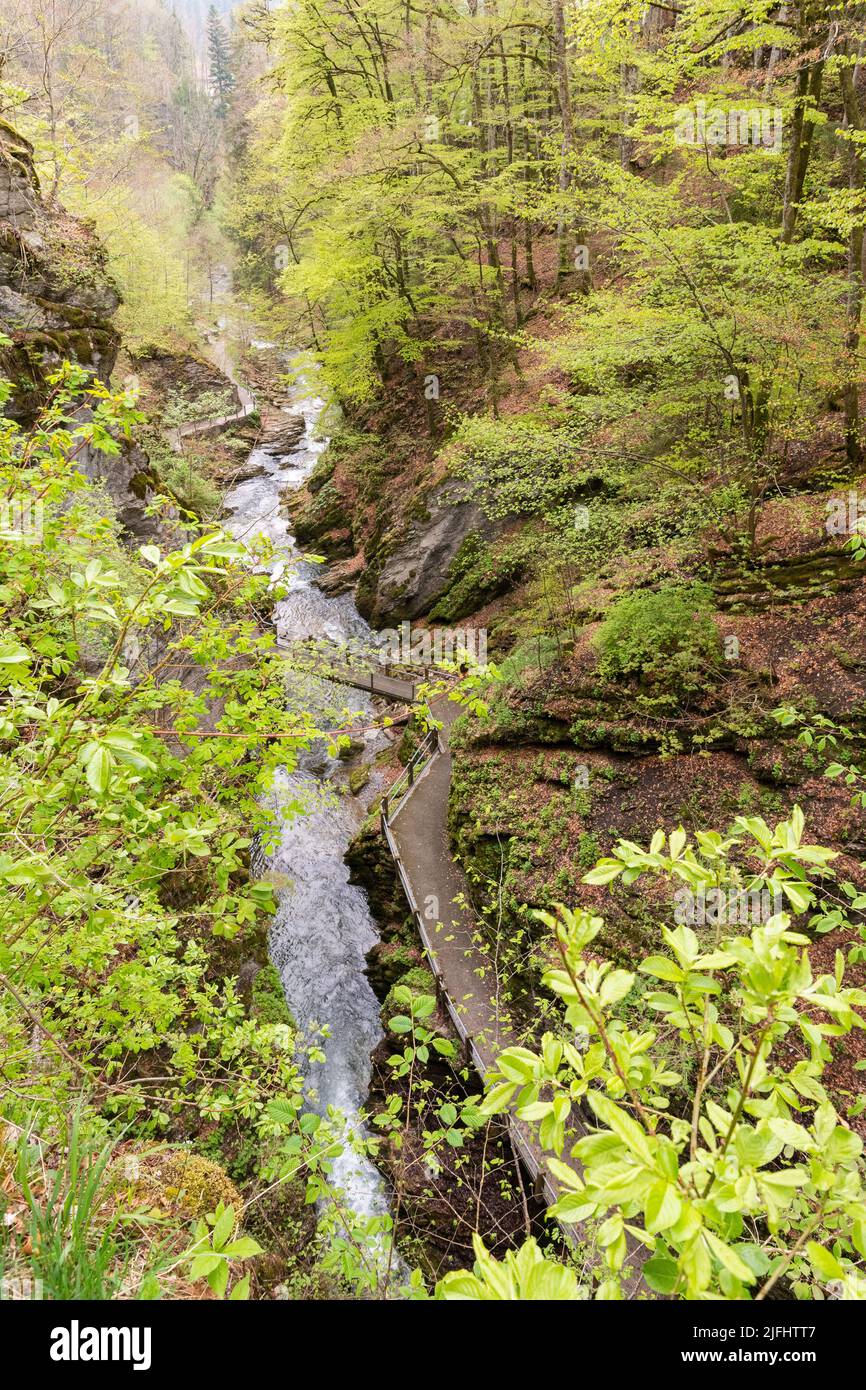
(323, 927)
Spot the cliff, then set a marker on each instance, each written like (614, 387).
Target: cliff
(56, 294)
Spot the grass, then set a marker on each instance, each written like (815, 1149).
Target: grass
(68, 1239)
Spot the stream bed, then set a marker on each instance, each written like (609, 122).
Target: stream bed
(323, 928)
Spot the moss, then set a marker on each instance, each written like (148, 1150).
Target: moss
(174, 1180)
(358, 778)
(268, 1000)
(419, 980)
(322, 473)
(477, 574)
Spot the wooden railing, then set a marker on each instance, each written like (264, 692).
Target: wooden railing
(393, 680)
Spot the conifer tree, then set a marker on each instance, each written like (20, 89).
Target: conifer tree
(219, 57)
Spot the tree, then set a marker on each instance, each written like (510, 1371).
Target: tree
(219, 57)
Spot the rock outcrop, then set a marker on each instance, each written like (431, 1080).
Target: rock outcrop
(56, 295)
(410, 579)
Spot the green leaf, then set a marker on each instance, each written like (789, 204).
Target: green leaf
(660, 1274)
(727, 1256)
(97, 769)
(203, 1265)
(13, 654)
(627, 1129)
(282, 1112)
(823, 1262)
(223, 1228)
(243, 1248)
(662, 1207)
(497, 1098)
(662, 968)
(604, 872)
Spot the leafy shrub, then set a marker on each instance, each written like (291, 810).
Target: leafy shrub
(761, 1182)
(664, 637)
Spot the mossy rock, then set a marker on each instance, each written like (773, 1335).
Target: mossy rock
(475, 576)
(325, 513)
(358, 778)
(322, 473)
(419, 980)
(176, 1181)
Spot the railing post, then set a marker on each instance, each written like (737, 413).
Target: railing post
(439, 991)
(411, 771)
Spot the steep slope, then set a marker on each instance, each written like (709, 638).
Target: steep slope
(56, 296)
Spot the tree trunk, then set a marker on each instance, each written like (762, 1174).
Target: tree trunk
(563, 240)
(808, 94)
(854, 296)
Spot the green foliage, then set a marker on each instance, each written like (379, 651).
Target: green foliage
(184, 407)
(663, 637)
(78, 1247)
(119, 848)
(759, 1179)
(181, 477)
(524, 1275)
(216, 1246)
(822, 736)
(517, 466)
(269, 1000)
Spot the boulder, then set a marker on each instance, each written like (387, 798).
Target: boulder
(415, 573)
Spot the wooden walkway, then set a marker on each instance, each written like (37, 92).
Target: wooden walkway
(214, 425)
(414, 821)
(373, 677)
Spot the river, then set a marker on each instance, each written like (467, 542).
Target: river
(323, 926)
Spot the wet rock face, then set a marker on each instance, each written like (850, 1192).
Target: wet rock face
(56, 296)
(415, 574)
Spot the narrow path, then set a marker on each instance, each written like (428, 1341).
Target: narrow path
(438, 893)
(416, 831)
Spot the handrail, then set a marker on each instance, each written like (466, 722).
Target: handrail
(369, 676)
(424, 753)
(542, 1183)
